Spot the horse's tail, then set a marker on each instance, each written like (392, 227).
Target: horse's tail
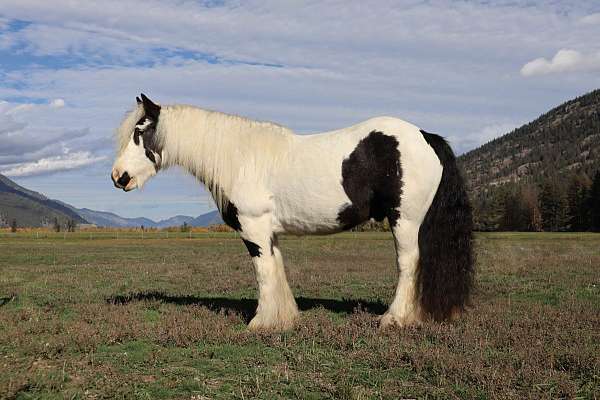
(446, 270)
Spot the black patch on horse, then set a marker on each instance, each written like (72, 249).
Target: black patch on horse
(272, 243)
(151, 109)
(253, 248)
(372, 180)
(150, 156)
(136, 136)
(230, 215)
(151, 143)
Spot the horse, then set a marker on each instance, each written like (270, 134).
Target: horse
(266, 180)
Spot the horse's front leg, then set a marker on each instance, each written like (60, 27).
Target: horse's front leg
(277, 309)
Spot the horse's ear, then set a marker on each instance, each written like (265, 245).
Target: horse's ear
(152, 110)
(137, 99)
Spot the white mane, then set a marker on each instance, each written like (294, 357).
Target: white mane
(219, 149)
(125, 130)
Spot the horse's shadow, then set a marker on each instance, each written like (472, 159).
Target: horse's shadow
(246, 307)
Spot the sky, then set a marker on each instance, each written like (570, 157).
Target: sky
(468, 70)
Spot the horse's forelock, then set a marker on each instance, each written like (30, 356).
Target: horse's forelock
(123, 133)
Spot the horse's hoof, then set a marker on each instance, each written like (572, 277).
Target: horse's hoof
(260, 323)
(388, 320)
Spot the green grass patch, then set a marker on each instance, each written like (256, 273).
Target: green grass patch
(92, 316)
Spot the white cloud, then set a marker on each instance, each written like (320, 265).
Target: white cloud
(30, 132)
(57, 103)
(592, 19)
(487, 133)
(447, 66)
(53, 164)
(564, 60)
(335, 34)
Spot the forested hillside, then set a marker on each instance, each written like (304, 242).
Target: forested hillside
(543, 175)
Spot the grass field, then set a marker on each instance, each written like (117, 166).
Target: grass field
(165, 318)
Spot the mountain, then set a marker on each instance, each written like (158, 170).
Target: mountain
(30, 208)
(541, 175)
(210, 218)
(105, 219)
(561, 142)
(108, 219)
(177, 220)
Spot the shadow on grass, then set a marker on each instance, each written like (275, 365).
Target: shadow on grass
(7, 299)
(246, 307)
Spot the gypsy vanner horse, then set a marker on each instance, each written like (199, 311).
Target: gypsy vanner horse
(266, 180)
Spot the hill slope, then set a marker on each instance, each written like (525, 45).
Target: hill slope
(563, 141)
(210, 218)
(30, 208)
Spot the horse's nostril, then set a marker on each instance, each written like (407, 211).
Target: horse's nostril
(124, 179)
(113, 178)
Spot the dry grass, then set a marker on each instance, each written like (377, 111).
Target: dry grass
(164, 318)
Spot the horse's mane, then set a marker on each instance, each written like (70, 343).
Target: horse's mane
(219, 149)
(125, 129)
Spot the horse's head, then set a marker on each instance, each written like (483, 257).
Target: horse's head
(140, 151)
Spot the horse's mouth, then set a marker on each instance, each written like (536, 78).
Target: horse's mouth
(130, 186)
(127, 188)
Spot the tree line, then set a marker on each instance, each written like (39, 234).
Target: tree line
(551, 204)
(68, 226)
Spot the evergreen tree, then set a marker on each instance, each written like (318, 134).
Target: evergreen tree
(522, 210)
(594, 204)
(489, 210)
(553, 206)
(512, 217)
(71, 225)
(56, 225)
(577, 196)
(531, 208)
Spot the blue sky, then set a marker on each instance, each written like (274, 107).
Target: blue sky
(469, 70)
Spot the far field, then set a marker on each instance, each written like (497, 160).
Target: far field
(96, 317)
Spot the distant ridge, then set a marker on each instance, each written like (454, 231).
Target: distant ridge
(563, 141)
(108, 219)
(30, 208)
(33, 209)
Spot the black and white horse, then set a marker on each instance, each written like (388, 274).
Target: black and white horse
(266, 181)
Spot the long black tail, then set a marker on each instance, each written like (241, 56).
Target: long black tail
(446, 265)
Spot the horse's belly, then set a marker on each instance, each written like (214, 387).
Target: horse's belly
(309, 213)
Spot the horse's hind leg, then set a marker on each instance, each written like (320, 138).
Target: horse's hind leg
(405, 310)
(277, 309)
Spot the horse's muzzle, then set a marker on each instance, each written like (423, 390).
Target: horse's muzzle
(122, 181)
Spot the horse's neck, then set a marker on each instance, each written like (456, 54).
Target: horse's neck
(216, 148)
